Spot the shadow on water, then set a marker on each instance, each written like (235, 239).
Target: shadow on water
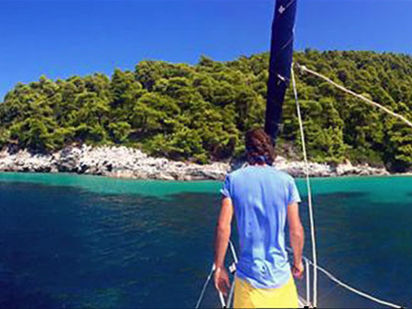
(66, 247)
(103, 251)
(17, 297)
(361, 242)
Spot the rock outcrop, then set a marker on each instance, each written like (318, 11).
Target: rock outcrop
(120, 161)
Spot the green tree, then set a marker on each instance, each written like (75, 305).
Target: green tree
(202, 112)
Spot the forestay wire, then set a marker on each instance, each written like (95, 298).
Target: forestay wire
(308, 186)
(312, 226)
(316, 267)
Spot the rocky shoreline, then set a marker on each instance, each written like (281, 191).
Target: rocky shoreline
(123, 162)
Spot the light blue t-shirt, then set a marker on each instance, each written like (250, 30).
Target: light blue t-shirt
(261, 195)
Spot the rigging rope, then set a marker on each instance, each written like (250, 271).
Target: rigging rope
(311, 219)
(347, 286)
(233, 271)
(316, 267)
(202, 293)
(209, 277)
(312, 226)
(359, 96)
(353, 290)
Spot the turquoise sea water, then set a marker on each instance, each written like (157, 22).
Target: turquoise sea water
(71, 241)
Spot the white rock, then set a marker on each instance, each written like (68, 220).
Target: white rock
(120, 161)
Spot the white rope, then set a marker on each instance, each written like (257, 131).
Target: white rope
(233, 271)
(359, 96)
(202, 293)
(347, 286)
(312, 228)
(222, 300)
(352, 289)
(209, 277)
(232, 289)
(360, 293)
(311, 219)
(307, 283)
(235, 260)
(232, 249)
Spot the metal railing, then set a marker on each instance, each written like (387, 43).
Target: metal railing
(304, 301)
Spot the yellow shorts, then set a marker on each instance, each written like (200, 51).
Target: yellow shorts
(246, 296)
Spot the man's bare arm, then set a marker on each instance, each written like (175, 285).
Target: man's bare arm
(223, 230)
(296, 234)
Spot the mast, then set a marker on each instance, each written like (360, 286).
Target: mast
(281, 53)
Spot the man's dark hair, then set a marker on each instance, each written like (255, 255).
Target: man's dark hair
(259, 147)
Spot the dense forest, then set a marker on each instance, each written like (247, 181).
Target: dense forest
(200, 113)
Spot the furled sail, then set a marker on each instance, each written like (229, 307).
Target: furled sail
(281, 53)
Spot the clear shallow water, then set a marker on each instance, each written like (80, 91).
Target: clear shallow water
(72, 241)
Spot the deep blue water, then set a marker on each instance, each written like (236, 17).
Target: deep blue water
(88, 242)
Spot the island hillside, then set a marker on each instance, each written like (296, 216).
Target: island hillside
(199, 113)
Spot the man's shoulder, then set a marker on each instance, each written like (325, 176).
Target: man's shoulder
(284, 175)
(236, 173)
(246, 171)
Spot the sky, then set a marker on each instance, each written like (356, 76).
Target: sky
(61, 38)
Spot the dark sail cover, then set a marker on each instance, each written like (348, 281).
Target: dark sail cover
(281, 53)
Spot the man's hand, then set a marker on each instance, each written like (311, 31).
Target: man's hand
(297, 270)
(222, 282)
